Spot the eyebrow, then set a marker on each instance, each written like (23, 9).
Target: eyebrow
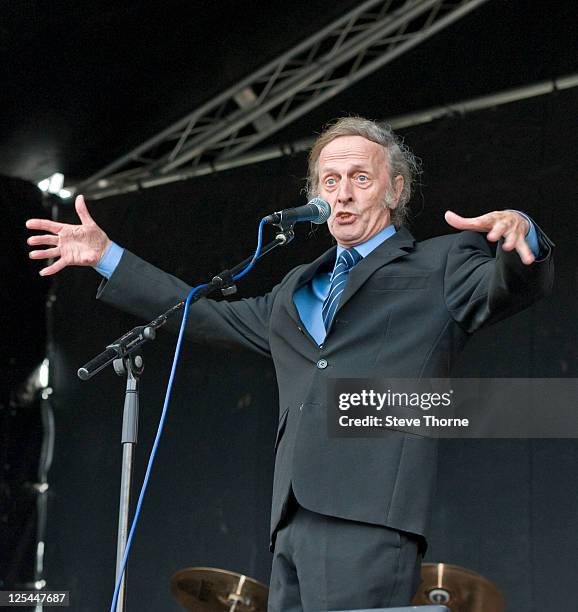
(330, 170)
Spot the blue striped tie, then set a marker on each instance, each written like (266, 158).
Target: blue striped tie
(345, 262)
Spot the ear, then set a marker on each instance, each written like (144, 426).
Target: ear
(398, 184)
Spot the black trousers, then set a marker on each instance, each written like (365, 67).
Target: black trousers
(322, 563)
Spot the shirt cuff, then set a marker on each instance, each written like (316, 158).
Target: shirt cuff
(110, 260)
(531, 235)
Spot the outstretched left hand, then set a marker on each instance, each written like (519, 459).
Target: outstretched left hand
(506, 224)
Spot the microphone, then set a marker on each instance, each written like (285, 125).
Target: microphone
(316, 210)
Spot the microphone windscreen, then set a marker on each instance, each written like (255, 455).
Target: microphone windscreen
(323, 208)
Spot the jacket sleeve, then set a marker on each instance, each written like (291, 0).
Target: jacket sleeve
(480, 289)
(141, 289)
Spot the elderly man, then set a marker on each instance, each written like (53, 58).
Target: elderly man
(349, 516)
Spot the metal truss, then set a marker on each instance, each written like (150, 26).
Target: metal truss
(226, 127)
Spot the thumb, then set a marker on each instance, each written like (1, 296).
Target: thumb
(461, 223)
(82, 210)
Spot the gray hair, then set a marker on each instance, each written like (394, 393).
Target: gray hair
(401, 161)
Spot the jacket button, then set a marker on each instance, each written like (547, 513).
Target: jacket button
(322, 364)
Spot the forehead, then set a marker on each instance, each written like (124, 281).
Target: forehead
(352, 149)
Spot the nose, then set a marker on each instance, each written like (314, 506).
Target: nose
(344, 193)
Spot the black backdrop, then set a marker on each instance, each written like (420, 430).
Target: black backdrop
(505, 508)
(22, 348)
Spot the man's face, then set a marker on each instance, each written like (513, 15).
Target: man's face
(354, 179)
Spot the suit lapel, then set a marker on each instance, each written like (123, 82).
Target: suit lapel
(327, 259)
(393, 248)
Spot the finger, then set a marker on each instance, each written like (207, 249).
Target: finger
(45, 253)
(477, 224)
(43, 239)
(44, 224)
(82, 210)
(510, 241)
(525, 252)
(498, 231)
(53, 269)
(525, 224)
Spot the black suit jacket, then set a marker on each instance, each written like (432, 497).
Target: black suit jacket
(407, 311)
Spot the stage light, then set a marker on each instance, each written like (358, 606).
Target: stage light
(52, 184)
(36, 384)
(43, 374)
(56, 182)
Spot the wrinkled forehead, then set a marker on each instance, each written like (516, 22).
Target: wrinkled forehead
(353, 149)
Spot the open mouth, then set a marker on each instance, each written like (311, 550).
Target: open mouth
(344, 218)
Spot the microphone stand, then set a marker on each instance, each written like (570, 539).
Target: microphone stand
(119, 353)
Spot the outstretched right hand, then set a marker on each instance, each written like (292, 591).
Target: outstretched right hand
(71, 245)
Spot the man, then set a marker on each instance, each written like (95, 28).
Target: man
(349, 516)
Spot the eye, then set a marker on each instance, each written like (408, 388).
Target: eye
(330, 182)
(362, 178)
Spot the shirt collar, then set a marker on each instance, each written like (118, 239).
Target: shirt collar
(365, 248)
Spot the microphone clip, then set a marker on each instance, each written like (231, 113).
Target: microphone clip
(285, 234)
(284, 226)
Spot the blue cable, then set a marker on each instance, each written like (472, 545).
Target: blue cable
(164, 414)
(257, 252)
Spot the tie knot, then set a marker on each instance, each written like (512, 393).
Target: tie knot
(349, 258)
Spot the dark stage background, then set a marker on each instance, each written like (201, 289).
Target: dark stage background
(22, 347)
(505, 508)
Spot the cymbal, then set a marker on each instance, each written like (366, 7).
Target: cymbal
(461, 590)
(207, 589)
